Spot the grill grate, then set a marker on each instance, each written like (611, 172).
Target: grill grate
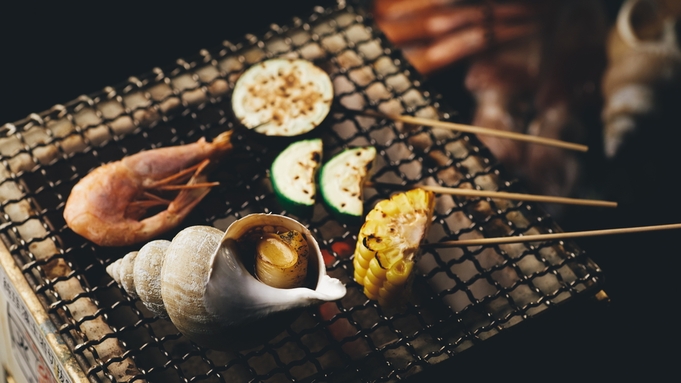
(461, 295)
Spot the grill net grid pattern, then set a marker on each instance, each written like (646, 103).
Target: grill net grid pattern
(462, 295)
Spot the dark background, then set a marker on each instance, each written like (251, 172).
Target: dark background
(51, 54)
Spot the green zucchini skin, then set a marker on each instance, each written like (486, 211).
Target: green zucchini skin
(341, 183)
(293, 174)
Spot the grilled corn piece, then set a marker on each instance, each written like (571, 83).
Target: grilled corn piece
(388, 244)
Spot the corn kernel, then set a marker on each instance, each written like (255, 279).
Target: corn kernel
(377, 268)
(359, 275)
(371, 294)
(363, 252)
(361, 262)
(374, 279)
(399, 273)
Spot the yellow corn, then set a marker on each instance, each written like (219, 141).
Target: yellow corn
(399, 273)
(388, 244)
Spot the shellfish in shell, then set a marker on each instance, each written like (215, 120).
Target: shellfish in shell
(641, 84)
(204, 279)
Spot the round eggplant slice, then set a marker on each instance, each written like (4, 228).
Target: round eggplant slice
(341, 182)
(282, 97)
(293, 175)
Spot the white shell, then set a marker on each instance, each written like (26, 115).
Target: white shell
(205, 288)
(641, 65)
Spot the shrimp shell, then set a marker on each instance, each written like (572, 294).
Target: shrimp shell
(108, 206)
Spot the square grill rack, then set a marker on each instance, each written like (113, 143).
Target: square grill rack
(461, 295)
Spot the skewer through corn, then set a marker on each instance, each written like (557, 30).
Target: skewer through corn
(388, 244)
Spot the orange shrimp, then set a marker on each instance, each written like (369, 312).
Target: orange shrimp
(108, 206)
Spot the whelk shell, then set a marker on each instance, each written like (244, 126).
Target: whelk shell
(201, 281)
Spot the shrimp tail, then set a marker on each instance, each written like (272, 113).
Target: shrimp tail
(224, 140)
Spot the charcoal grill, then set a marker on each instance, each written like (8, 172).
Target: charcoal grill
(461, 295)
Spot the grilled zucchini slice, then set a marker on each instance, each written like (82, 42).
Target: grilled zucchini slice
(293, 174)
(282, 97)
(341, 182)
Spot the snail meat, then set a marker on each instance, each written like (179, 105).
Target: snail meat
(280, 257)
(203, 280)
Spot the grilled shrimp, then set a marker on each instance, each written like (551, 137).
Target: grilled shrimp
(109, 205)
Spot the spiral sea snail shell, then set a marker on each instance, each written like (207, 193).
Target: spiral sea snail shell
(203, 280)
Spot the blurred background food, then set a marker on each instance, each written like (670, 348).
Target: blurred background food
(595, 72)
(606, 73)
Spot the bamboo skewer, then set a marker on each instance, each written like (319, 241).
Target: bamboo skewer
(499, 194)
(475, 130)
(550, 236)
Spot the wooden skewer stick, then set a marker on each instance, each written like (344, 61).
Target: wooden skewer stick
(500, 194)
(476, 130)
(551, 236)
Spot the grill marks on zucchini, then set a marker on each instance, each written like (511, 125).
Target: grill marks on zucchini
(341, 182)
(282, 97)
(341, 179)
(293, 175)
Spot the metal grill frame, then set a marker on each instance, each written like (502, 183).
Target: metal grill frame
(459, 294)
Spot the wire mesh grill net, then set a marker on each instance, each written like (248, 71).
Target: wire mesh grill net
(461, 295)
